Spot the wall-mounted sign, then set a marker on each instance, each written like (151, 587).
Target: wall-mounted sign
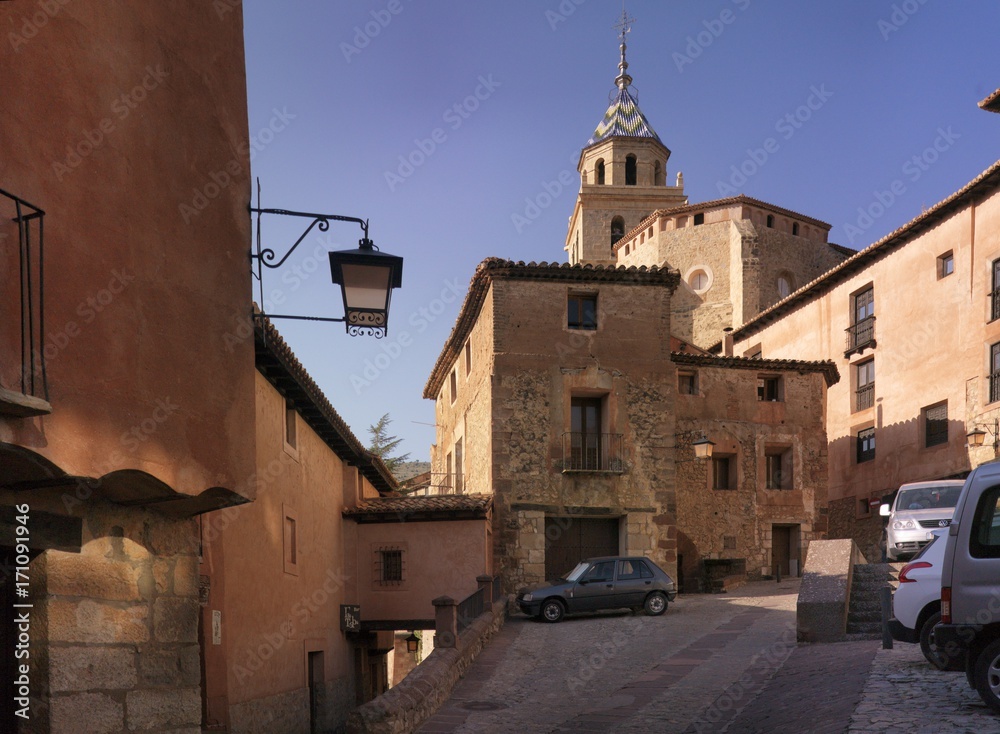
(350, 618)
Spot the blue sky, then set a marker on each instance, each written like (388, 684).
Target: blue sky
(452, 125)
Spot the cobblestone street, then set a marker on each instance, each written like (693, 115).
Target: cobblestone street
(712, 663)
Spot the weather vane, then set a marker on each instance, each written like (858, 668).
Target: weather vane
(624, 27)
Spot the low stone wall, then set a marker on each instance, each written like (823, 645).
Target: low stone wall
(821, 610)
(405, 707)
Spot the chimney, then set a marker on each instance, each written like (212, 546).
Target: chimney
(727, 342)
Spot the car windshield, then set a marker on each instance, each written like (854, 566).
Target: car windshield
(925, 498)
(577, 572)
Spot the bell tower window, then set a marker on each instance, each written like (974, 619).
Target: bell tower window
(630, 170)
(617, 229)
(599, 172)
(659, 175)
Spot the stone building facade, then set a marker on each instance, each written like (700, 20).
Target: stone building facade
(559, 384)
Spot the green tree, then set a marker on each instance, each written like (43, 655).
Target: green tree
(382, 444)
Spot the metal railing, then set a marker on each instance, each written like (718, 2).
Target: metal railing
(865, 396)
(995, 304)
(596, 452)
(861, 334)
(994, 387)
(470, 608)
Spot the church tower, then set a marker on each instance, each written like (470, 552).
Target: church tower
(623, 175)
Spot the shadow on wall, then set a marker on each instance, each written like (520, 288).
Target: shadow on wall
(923, 448)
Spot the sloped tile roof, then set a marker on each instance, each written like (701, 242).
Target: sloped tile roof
(623, 119)
(430, 507)
(827, 368)
(991, 103)
(279, 365)
(981, 186)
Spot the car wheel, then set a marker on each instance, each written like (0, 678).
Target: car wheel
(936, 656)
(553, 610)
(986, 675)
(655, 604)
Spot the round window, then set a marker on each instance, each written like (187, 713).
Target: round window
(699, 280)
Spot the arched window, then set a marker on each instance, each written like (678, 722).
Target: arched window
(795, 228)
(770, 220)
(617, 229)
(630, 175)
(599, 172)
(784, 285)
(659, 175)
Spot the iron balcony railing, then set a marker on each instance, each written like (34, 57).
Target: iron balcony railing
(594, 452)
(860, 335)
(994, 387)
(866, 396)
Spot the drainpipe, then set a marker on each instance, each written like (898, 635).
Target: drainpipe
(727, 342)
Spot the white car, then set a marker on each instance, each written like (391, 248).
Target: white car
(916, 604)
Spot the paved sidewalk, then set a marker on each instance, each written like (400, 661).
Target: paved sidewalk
(712, 663)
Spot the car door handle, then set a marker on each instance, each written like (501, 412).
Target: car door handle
(648, 583)
(610, 586)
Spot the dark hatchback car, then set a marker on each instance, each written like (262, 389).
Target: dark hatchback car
(611, 582)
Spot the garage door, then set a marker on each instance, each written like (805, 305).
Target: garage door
(570, 539)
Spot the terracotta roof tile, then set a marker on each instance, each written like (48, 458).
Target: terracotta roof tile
(992, 102)
(404, 508)
(827, 368)
(279, 365)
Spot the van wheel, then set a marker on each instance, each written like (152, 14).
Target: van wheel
(986, 675)
(935, 655)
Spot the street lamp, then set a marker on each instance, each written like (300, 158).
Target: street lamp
(978, 436)
(703, 448)
(412, 643)
(366, 275)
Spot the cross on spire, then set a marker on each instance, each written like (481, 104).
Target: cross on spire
(624, 27)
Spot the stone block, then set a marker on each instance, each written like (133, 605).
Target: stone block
(92, 668)
(186, 576)
(163, 575)
(175, 619)
(821, 610)
(92, 576)
(176, 666)
(157, 709)
(85, 713)
(90, 621)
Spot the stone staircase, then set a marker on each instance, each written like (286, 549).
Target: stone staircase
(864, 616)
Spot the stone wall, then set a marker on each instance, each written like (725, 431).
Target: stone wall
(122, 623)
(865, 530)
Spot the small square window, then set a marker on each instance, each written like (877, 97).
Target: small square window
(687, 383)
(864, 507)
(290, 427)
(389, 566)
(699, 219)
(945, 265)
(769, 389)
(582, 312)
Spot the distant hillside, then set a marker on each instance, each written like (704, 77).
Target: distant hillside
(410, 469)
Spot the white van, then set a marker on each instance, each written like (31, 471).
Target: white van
(970, 583)
(919, 509)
